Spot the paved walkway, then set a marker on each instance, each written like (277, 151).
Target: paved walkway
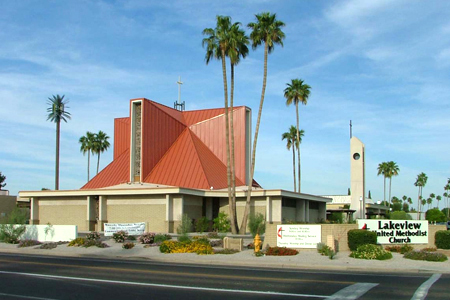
(306, 259)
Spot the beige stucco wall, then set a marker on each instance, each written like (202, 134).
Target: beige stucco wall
(148, 209)
(64, 211)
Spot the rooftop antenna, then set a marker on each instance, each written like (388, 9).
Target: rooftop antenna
(178, 103)
(351, 129)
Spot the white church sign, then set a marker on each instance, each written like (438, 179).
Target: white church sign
(397, 231)
(298, 236)
(131, 228)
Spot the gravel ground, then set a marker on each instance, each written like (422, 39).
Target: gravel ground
(306, 259)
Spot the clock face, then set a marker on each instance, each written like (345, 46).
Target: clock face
(356, 156)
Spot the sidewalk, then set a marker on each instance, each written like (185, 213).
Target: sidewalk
(306, 259)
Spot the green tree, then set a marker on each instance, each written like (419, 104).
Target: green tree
(382, 170)
(297, 92)
(2, 180)
(56, 113)
(430, 199)
(421, 181)
(391, 170)
(435, 215)
(87, 145)
(101, 144)
(266, 30)
(217, 45)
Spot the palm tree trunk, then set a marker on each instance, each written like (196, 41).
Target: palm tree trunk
(58, 128)
(233, 164)
(298, 151)
(98, 161)
(384, 192)
(293, 167)
(390, 183)
(231, 209)
(243, 227)
(89, 163)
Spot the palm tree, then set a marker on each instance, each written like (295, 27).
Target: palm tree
(446, 195)
(87, 145)
(217, 44)
(297, 92)
(421, 181)
(56, 113)
(391, 170)
(438, 198)
(101, 144)
(430, 199)
(382, 170)
(266, 30)
(291, 140)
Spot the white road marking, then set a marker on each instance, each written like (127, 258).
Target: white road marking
(353, 291)
(25, 297)
(164, 285)
(422, 291)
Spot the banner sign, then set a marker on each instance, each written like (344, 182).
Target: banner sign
(397, 231)
(299, 236)
(131, 228)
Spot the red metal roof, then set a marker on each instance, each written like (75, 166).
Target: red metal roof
(185, 149)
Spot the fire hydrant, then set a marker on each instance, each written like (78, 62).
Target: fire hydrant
(257, 243)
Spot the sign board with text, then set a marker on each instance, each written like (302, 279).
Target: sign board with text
(397, 231)
(299, 236)
(131, 228)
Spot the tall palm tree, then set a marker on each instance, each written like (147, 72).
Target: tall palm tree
(391, 170)
(57, 112)
(421, 181)
(237, 49)
(101, 144)
(217, 44)
(438, 198)
(87, 145)
(447, 194)
(290, 137)
(266, 30)
(297, 92)
(382, 170)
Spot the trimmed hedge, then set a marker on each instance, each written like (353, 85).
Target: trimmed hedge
(359, 237)
(442, 239)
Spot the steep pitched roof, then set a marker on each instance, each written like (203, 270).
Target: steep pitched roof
(185, 149)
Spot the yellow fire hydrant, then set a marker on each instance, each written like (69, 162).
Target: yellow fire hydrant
(257, 243)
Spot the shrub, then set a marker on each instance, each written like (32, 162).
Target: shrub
(202, 239)
(429, 249)
(184, 238)
(425, 255)
(77, 242)
(120, 236)
(147, 238)
(159, 238)
(48, 246)
(93, 235)
(128, 245)
(213, 235)
(256, 224)
(185, 247)
(399, 215)
(226, 251)
(325, 250)
(222, 223)
(10, 233)
(442, 239)
(28, 243)
(185, 225)
(336, 217)
(370, 251)
(281, 251)
(358, 237)
(399, 248)
(18, 216)
(435, 215)
(202, 225)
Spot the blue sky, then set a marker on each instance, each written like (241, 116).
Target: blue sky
(382, 64)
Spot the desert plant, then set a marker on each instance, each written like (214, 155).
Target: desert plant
(202, 225)
(325, 250)
(128, 245)
(222, 223)
(256, 224)
(184, 238)
(93, 235)
(77, 242)
(10, 233)
(370, 251)
(159, 238)
(185, 225)
(425, 255)
(28, 243)
(147, 238)
(442, 239)
(280, 251)
(120, 236)
(358, 237)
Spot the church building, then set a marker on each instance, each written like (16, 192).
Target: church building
(167, 163)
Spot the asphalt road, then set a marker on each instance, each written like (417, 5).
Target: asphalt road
(46, 277)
